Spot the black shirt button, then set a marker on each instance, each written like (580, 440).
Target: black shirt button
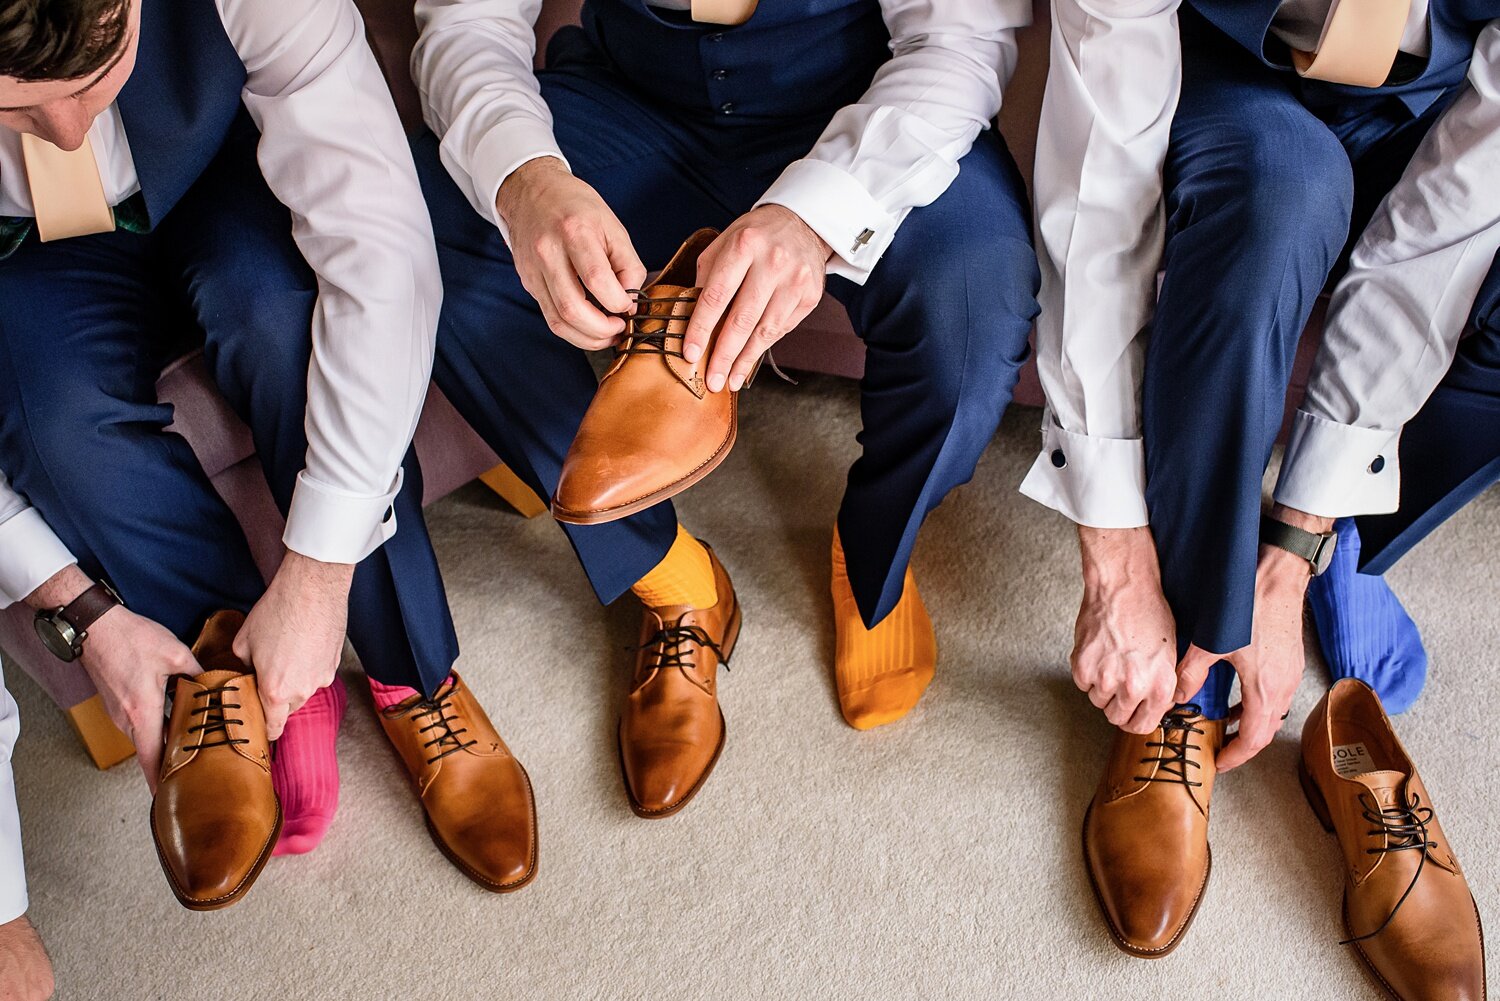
(727, 107)
(1058, 459)
(720, 74)
(717, 36)
(1378, 464)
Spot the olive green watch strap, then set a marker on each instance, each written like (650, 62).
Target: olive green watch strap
(1316, 549)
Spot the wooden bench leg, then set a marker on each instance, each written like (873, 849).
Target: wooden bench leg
(101, 738)
(513, 491)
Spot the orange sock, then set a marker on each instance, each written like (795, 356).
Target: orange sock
(880, 673)
(685, 576)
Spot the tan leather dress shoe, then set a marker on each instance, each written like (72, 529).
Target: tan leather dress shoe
(478, 800)
(653, 429)
(672, 730)
(215, 816)
(1407, 908)
(1145, 836)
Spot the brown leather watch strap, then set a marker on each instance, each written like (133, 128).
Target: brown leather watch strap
(84, 610)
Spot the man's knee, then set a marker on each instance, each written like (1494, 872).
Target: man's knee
(73, 430)
(259, 348)
(1277, 191)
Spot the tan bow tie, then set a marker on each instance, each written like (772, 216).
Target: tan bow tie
(723, 11)
(67, 195)
(1359, 45)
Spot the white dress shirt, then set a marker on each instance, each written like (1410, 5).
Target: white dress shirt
(897, 148)
(12, 868)
(1106, 120)
(1397, 316)
(333, 151)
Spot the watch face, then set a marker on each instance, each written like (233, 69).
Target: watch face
(1325, 553)
(59, 644)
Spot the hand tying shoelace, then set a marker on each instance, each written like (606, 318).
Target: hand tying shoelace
(639, 341)
(1180, 720)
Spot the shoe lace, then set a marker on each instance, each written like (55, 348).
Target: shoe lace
(447, 739)
(655, 342)
(214, 719)
(1172, 755)
(639, 342)
(672, 645)
(1403, 828)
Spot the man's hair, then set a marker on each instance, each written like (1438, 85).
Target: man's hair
(60, 39)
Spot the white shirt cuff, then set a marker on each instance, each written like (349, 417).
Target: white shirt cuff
(504, 148)
(1098, 482)
(334, 526)
(29, 555)
(13, 901)
(839, 209)
(1335, 470)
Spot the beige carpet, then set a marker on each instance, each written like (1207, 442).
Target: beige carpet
(937, 858)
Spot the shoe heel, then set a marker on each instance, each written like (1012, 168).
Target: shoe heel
(1315, 798)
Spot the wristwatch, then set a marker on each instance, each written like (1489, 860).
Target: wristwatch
(1316, 549)
(62, 630)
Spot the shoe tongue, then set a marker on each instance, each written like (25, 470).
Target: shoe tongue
(1384, 785)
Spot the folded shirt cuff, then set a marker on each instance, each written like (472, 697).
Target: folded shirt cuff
(504, 148)
(1335, 470)
(839, 209)
(1098, 482)
(30, 553)
(335, 526)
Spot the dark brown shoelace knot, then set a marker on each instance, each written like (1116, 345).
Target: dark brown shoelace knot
(674, 645)
(1172, 759)
(448, 739)
(214, 721)
(1402, 828)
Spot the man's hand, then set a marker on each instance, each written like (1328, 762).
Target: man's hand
(25, 970)
(294, 636)
(1270, 668)
(564, 240)
(767, 269)
(1124, 651)
(130, 659)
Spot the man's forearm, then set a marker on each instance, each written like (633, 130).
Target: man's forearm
(61, 588)
(1301, 519)
(1117, 556)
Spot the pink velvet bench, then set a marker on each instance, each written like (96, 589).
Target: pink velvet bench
(451, 453)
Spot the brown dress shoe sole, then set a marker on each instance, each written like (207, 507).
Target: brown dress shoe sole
(604, 515)
(731, 637)
(233, 896)
(489, 884)
(1120, 941)
(1319, 808)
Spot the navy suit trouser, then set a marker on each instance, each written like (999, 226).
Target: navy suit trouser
(944, 316)
(1262, 196)
(86, 325)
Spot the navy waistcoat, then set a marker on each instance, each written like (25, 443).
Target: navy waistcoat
(1454, 24)
(181, 100)
(792, 58)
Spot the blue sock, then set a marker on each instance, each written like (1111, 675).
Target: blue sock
(1212, 699)
(1364, 631)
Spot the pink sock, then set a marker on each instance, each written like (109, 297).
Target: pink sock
(386, 696)
(305, 770)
